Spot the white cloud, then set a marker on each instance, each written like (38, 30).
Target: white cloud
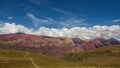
(79, 32)
(1, 24)
(13, 28)
(73, 22)
(116, 20)
(10, 18)
(64, 23)
(62, 11)
(36, 21)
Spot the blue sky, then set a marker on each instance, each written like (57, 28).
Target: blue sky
(84, 19)
(60, 13)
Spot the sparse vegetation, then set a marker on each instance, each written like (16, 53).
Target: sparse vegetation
(108, 56)
(22, 59)
(101, 57)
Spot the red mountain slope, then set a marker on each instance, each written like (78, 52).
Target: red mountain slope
(52, 46)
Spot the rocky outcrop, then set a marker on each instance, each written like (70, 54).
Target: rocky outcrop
(95, 43)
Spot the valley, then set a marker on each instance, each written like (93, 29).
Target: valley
(32, 51)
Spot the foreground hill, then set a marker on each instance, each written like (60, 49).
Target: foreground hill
(22, 59)
(108, 56)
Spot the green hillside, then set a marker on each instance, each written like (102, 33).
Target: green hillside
(108, 56)
(22, 59)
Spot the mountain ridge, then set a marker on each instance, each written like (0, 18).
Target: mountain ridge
(52, 46)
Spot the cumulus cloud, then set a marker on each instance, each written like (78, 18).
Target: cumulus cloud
(74, 32)
(116, 20)
(13, 28)
(36, 21)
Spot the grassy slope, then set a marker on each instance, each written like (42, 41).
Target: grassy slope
(104, 56)
(22, 59)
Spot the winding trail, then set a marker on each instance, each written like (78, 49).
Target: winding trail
(26, 54)
(34, 64)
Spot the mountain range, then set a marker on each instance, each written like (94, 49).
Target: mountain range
(52, 46)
